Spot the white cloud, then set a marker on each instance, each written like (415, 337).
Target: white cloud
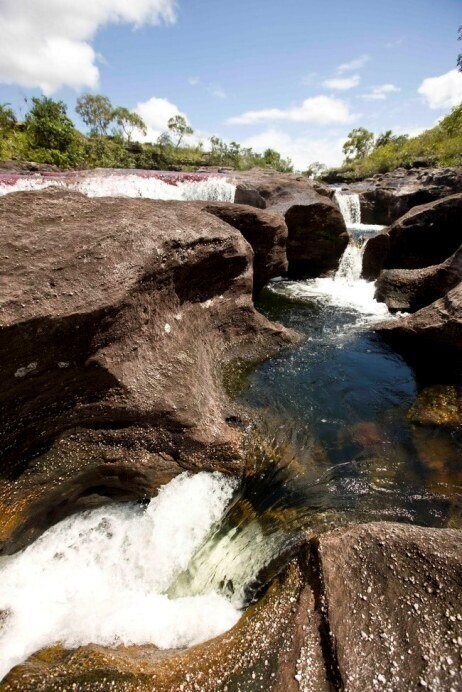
(193, 81)
(303, 150)
(318, 109)
(218, 92)
(379, 93)
(355, 64)
(444, 91)
(156, 113)
(342, 83)
(47, 43)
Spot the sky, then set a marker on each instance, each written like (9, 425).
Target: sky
(296, 75)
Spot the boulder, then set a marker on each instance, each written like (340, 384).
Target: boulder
(392, 596)
(438, 406)
(388, 196)
(317, 234)
(431, 338)
(412, 289)
(116, 317)
(374, 606)
(425, 236)
(317, 238)
(266, 232)
(277, 191)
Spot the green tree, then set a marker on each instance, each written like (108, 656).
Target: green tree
(273, 159)
(7, 117)
(451, 125)
(179, 126)
(388, 137)
(48, 125)
(315, 170)
(359, 144)
(459, 58)
(164, 140)
(128, 122)
(96, 112)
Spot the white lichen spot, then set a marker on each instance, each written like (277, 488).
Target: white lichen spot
(22, 372)
(63, 364)
(178, 316)
(167, 328)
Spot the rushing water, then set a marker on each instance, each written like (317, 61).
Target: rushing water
(147, 184)
(331, 445)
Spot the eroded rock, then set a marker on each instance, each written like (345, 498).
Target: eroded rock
(425, 236)
(115, 318)
(412, 289)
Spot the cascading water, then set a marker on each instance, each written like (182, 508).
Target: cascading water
(146, 184)
(350, 207)
(102, 576)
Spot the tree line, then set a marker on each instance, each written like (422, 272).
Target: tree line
(48, 135)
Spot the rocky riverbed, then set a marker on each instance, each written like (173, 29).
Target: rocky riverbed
(125, 324)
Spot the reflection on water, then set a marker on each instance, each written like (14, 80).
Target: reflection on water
(349, 394)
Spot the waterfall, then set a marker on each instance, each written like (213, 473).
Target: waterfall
(102, 576)
(146, 184)
(349, 206)
(350, 266)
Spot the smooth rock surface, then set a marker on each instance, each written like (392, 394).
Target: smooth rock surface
(116, 316)
(266, 232)
(425, 236)
(412, 289)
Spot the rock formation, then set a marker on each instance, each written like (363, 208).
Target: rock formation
(373, 606)
(115, 318)
(412, 289)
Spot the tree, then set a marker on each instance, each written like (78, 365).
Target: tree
(49, 126)
(128, 122)
(388, 137)
(359, 144)
(96, 112)
(459, 58)
(315, 170)
(274, 160)
(179, 126)
(164, 140)
(7, 117)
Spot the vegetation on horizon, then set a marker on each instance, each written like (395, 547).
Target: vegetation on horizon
(49, 136)
(366, 155)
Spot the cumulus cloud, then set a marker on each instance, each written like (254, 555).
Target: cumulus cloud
(355, 64)
(318, 109)
(380, 93)
(342, 83)
(47, 43)
(444, 91)
(156, 112)
(303, 150)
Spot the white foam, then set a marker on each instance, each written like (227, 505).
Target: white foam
(131, 185)
(350, 206)
(101, 576)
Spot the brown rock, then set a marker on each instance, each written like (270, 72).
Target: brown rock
(266, 232)
(425, 236)
(412, 289)
(116, 316)
(393, 599)
(432, 337)
(317, 238)
(438, 405)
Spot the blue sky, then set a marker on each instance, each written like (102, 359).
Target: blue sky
(296, 75)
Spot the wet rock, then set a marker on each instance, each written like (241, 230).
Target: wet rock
(439, 405)
(266, 232)
(317, 238)
(431, 338)
(425, 236)
(412, 289)
(392, 595)
(116, 316)
(275, 646)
